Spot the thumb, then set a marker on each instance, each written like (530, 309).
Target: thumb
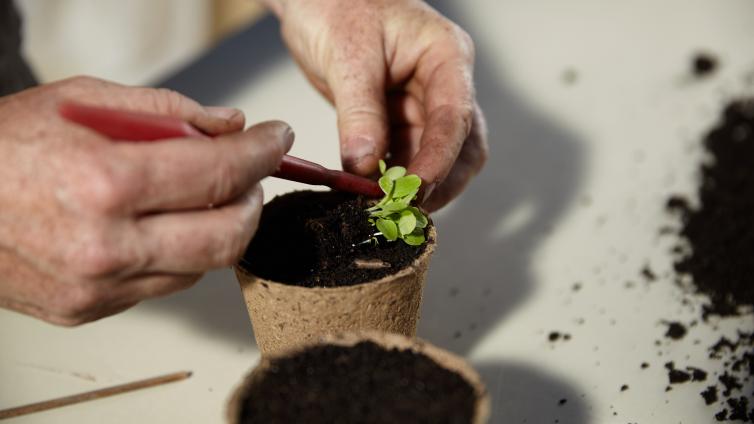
(359, 96)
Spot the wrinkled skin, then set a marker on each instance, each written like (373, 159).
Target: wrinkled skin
(400, 77)
(91, 226)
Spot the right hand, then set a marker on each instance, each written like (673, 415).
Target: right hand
(91, 226)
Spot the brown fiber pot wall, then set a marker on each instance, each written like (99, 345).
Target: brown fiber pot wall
(442, 357)
(285, 316)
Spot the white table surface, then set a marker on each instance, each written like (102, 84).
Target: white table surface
(574, 192)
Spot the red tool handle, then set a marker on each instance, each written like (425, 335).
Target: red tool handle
(127, 125)
(136, 126)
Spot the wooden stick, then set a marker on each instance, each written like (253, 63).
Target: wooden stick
(370, 264)
(93, 395)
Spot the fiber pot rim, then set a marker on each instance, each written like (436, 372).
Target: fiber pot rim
(405, 271)
(443, 358)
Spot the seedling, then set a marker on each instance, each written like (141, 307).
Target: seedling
(394, 216)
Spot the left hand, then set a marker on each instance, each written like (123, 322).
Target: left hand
(400, 77)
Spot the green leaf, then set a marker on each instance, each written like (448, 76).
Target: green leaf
(421, 220)
(407, 222)
(406, 185)
(395, 172)
(395, 206)
(416, 238)
(386, 184)
(392, 215)
(407, 198)
(383, 214)
(388, 229)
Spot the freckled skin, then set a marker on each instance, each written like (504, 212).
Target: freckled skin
(91, 226)
(400, 77)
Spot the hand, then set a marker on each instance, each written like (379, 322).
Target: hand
(400, 76)
(91, 226)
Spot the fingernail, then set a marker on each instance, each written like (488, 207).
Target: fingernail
(428, 192)
(227, 113)
(355, 151)
(288, 137)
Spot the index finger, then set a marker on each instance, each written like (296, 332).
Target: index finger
(190, 173)
(448, 96)
(160, 101)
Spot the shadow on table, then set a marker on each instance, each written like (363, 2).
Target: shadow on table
(522, 394)
(215, 305)
(482, 269)
(487, 240)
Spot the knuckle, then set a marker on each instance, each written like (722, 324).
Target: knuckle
(74, 85)
(168, 101)
(224, 183)
(456, 40)
(465, 113)
(97, 259)
(81, 301)
(234, 245)
(465, 43)
(98, 188)
(79, 80)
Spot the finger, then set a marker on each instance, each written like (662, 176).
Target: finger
(196, 241)
(440, 144)
(445, 76)
(470, 161)
(190, 173)
(358, 89)
(162, 101)
(154, 285)
(211, 120)
(404, 144)
(405, 109)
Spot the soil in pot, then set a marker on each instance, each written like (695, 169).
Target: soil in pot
(365, 383)
(321, 239)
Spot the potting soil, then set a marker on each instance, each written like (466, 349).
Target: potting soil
(719, 258)
(314, 239)
(365, 383)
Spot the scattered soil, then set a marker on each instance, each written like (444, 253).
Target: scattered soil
(314, 239)
(710, 395)
(704, 64)
(362, 384)
(676, 330)
(719, 235)
(554, 336)
(676, 376)
(648, 274)
(697, 374)
(720, 231)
